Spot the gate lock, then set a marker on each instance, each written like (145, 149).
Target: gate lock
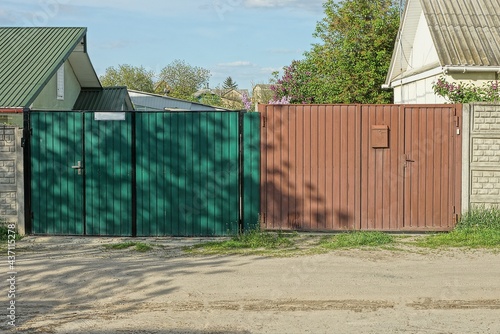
(79, 167)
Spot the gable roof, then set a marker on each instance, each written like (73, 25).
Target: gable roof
(104, 99)
(30, 57)
(464, 33)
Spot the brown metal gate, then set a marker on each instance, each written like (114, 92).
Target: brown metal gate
(369, 167)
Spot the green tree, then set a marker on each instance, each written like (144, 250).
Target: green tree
(212, 100)
(136, 78)
(229, 84)
(351, 62)
(183, 79)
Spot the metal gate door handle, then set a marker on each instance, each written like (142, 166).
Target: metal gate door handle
(79, 167)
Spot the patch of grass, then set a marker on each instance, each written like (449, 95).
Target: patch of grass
(478, 228)
(472, 238)
(480, 218)
(357, 239)
(252, 242)
(138, 246)
(4, 233)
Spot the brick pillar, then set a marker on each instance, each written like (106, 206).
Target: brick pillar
(481, 156)
(11, 178)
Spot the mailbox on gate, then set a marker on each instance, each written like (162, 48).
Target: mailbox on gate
(379, 136)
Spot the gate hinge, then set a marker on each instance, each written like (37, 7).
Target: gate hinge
(457, 121)
(264, 120)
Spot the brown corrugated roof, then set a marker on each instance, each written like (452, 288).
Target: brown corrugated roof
(465, 32)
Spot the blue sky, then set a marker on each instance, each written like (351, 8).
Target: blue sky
(244, 39)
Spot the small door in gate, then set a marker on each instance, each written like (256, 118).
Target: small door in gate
(431, 167)
(108, 173)
(56, 178)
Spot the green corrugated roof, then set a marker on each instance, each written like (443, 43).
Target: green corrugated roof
(105, 99)
(29, 57)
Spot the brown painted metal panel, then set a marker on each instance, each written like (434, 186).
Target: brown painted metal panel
(320, 171)
(309, 167)
(381, 183)
(431, 181)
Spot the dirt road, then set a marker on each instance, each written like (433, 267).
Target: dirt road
(72, 285)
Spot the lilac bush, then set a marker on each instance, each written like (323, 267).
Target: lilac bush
(466, 92)
(247, 102)
(283, 100)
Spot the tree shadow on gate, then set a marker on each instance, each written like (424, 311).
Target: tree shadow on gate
(187, 173)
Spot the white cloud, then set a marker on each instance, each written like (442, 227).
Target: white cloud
(310, 4)
(239, 63)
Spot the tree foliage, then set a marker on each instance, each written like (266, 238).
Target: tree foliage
(136, 78)
(229, 84)
(183, 79)
(351, 62)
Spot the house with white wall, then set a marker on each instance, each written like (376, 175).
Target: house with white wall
(456, 39)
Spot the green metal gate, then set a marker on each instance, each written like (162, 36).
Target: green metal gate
(56, 189)
(148, 174)
(187, 173)
(108, 175)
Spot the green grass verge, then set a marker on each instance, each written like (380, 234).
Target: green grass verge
(357, 239)
(478, 228)
(138, 246)
(4, 233)
(252, 242)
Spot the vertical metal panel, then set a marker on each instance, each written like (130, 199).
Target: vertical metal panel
(320, 171)
(431, 190)
(56, 188)
(251, 173)
(382, 170)
(108, 176)
(187, 173)
(308, 171)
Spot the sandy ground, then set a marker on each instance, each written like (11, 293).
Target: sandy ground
(74, 285)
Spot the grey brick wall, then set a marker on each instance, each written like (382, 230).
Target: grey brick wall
(481, 156)
(11, 177)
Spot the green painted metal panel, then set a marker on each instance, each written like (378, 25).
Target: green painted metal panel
(56, 188)
(187, 173)
(251, 170)
(108, 176)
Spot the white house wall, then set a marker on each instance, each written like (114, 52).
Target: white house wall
(421, 92)
(418, 92)
(47, 99)
(423, 52)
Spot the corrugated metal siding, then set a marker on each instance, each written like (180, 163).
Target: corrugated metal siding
(184, 169)
(187, 173)
(322, 169)
(309, 167)
(381, 171)
(56, 188)
(29, 58)
(108, 176)
(108, 98)
(465, 32)
(251, 170)
(432, 179)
